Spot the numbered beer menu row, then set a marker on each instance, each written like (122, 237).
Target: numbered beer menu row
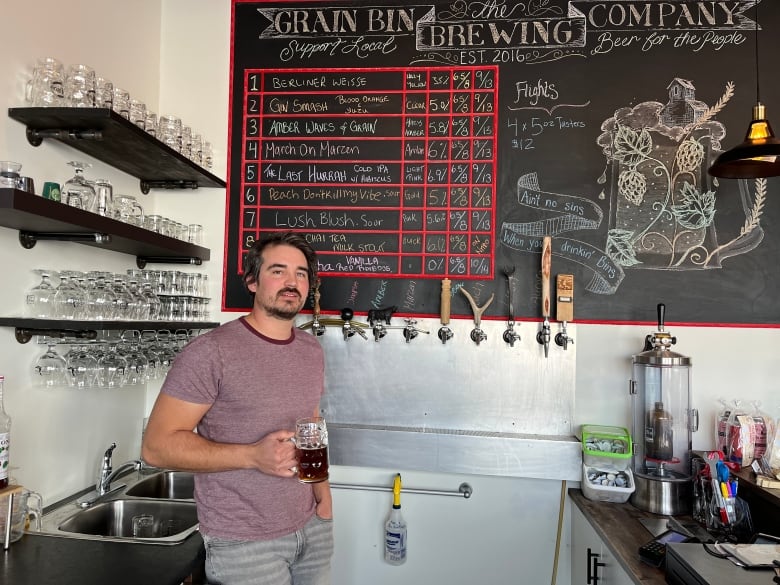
(388, 172)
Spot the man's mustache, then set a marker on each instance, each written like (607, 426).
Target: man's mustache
(288, 290)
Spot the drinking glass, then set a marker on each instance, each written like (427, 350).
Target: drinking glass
(139, 306)
(45, 89)
(169, 131)
(163, 349)
(101, 300)
(104, 198)
(137, 363)
(112, 369)
(9, 174)
(124, 304)
(151, 299)
(122, 102)
(40, 299)
(82, 368)
(50, 369)
(154, 223)
(137, 113)
(104, 93)
(196, 149)
(70, 300)
(150, 123)
(128, 210)
(195, 233)
(80, 86)
(77, 191)
(207, 154)
(186, 141)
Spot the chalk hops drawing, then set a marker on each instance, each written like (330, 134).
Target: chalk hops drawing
(663, 208)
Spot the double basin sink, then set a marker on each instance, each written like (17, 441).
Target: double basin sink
(156, 508)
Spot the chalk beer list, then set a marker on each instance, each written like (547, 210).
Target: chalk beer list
(387, 172)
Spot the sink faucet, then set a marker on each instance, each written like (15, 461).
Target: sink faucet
(107, 475)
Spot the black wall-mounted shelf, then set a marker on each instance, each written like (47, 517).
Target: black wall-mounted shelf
(33, 215)
(109, 137)
(26, 328)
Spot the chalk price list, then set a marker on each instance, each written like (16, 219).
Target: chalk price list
(387, 172)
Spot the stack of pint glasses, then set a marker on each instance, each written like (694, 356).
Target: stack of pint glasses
(138, 295)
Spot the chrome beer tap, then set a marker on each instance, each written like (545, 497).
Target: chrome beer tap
(477, 335)
(379, 331)
(411, 330)
(348, 328)
(445, 333)
(510, 335)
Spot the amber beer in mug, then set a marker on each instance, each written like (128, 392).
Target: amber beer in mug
(311, 449)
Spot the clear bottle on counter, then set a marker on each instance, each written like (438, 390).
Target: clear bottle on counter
(5, 439)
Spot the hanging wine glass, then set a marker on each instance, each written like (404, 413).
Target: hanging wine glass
(77, 191)
(82, 368)
(137, 362)
(112, 369)
(50, 369)
(40, 299)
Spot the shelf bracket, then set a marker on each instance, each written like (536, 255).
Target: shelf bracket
(23, 334)
(35, 136)
(147, 185)
(142, 261)
(29, 239)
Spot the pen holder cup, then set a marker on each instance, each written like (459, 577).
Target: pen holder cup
(725, 518)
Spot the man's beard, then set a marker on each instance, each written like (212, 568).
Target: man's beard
(286, 311)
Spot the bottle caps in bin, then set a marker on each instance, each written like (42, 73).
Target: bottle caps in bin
(607, 485)
(606, 447)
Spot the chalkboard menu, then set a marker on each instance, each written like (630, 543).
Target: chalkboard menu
(420, 142)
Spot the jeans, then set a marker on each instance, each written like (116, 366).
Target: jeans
(300, 558)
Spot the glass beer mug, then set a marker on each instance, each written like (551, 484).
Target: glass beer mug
(311, 449)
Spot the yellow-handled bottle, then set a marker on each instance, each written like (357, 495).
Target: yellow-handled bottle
(395, 529)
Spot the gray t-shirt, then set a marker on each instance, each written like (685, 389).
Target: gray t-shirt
(255, 386)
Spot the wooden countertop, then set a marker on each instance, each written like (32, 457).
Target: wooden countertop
(619, 527)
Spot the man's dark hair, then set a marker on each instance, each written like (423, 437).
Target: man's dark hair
(254, 257)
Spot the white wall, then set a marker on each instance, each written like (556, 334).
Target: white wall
(175, 55)
(58, 435)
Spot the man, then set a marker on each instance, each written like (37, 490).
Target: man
(243, 385)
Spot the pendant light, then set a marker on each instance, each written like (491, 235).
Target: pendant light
(759, 155)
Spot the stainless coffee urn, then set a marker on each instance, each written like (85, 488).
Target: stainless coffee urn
(663, 423)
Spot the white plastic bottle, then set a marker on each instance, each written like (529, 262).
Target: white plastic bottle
(395, 529)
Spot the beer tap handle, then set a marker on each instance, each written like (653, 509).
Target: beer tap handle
(445, 333)
(317, 328)
(661, 338)
(543, 336)
(477, 335)
(510, 335)
(564, 307)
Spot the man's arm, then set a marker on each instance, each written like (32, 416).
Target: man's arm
(170, 442)
(324, 499)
